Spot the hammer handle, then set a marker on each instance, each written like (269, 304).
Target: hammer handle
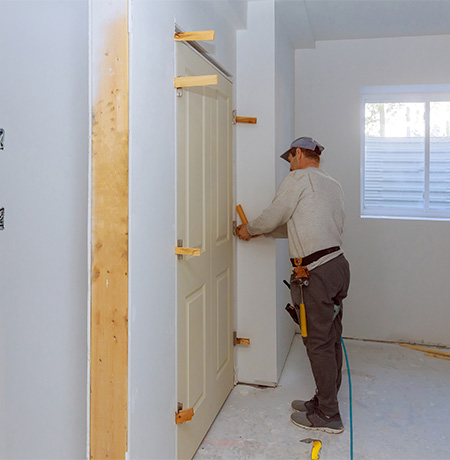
(243, 217)
(241, 213)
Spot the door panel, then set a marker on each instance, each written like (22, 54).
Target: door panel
(204, 200)
(222, 244)
(221, 112)
(222, 323)
(195, 176)
(195, 353)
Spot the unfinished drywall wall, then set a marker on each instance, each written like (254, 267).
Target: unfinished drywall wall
(152, 346)
(284, 135)
(399, 288)
(43, 262)
(255, 165)
(265, 90)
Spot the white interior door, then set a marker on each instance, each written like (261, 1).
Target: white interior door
(204, 212)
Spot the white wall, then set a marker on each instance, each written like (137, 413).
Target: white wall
(284, 135)
(399, 288)
(255, 165)
(152, 383)
(43, 249)
(265, 89)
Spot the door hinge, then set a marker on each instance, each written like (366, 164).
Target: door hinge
(179, 92)
(185, 415)
(234, 227)
(233, 114)
(239, 341)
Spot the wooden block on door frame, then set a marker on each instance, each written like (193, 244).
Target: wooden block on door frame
(200, 80)
(200, 35)
(187, 251)
(239, 340)
(184, 416)
(251, 120)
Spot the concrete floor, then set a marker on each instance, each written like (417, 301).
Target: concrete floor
(401, 410)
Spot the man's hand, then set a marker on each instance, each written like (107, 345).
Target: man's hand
(242, 233)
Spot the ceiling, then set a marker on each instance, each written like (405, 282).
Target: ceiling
(308, 21)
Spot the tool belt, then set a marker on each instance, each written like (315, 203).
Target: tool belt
(300, 264)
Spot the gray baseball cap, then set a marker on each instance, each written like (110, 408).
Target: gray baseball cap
(306, 143)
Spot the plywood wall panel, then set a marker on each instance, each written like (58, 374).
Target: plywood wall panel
(109, 281)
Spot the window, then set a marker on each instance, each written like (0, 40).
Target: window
(405, 152)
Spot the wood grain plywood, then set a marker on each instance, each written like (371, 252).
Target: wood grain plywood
(109, 277)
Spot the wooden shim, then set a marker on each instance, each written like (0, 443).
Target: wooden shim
(251, 120)
(184, 416)
(109, 266)
(187, 251)
(433, 355)
(200, 80)
(200, 35)
(426, 350)
(240, 341)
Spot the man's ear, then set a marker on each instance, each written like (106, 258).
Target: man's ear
(298, 152)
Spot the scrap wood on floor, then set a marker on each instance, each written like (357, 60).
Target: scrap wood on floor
(431, 352)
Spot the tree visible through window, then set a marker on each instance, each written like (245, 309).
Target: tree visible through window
(406, 154)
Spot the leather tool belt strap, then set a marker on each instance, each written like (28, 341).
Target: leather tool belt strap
(299, 264)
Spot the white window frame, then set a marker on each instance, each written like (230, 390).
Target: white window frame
(408, 93)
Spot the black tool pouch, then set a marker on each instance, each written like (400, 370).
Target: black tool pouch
(293, 312)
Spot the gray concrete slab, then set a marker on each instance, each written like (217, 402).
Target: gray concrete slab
(401, 410)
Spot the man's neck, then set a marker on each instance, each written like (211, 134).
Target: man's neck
(310, 164)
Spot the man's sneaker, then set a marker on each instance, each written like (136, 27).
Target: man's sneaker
(305, 406)
(317, 420)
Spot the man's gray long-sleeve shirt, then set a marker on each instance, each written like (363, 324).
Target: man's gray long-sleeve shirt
(308, 209)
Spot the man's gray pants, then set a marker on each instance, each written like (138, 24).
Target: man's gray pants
(328, 286)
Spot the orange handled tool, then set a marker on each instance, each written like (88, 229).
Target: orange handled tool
(243, 217)
(241, 213)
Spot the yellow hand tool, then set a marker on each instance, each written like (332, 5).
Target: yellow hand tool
(317, 444)
(303, 328)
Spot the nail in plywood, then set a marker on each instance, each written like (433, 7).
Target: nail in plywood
(251, 120)
(200, 35)
(187, 251)
(109, 280)
(200, 80)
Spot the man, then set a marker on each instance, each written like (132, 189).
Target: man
(308, 209)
